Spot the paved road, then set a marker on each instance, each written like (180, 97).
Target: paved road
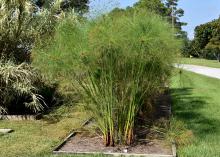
(211, 72)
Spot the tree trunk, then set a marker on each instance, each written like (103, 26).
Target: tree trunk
(219, 57)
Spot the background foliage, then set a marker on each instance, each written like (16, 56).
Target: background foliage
(206, 41)
(79, 6)
(21, 24)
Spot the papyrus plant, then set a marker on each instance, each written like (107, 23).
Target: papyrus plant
(130, 59)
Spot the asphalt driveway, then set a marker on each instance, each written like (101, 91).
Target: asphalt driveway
(207, 71)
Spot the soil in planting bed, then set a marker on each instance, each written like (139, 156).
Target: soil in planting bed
(81, 143)
(84, 142)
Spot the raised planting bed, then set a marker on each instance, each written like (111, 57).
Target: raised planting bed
(82, 143)
(21, 117)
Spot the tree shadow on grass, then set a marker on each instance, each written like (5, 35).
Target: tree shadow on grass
(187, 108)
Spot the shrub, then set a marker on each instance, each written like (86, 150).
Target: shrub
(21, 24)
(120, 63)
(19, 82)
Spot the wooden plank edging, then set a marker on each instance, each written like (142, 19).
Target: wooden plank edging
(21, 117)
(112, 154)
(58, 152)
(56, 149)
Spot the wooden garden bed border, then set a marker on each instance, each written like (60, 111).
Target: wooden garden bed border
(57, 150)
(21, 117)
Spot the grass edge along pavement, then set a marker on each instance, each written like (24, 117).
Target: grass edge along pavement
(201, 62)
(195, 100)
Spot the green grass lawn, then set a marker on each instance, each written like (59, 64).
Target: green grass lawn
(196, 102)
(38, 138)
(202, 62)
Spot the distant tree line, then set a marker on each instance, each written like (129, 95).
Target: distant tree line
(206, 42)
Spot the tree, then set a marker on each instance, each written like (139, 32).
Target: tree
(206, 40)
(203, 34)
(152, 5)
(214, 44)
(173, 16)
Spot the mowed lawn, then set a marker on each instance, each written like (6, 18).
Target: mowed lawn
(196, 102)
(38, 138)
(201, 62)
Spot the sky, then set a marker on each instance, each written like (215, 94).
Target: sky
(196, 11)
